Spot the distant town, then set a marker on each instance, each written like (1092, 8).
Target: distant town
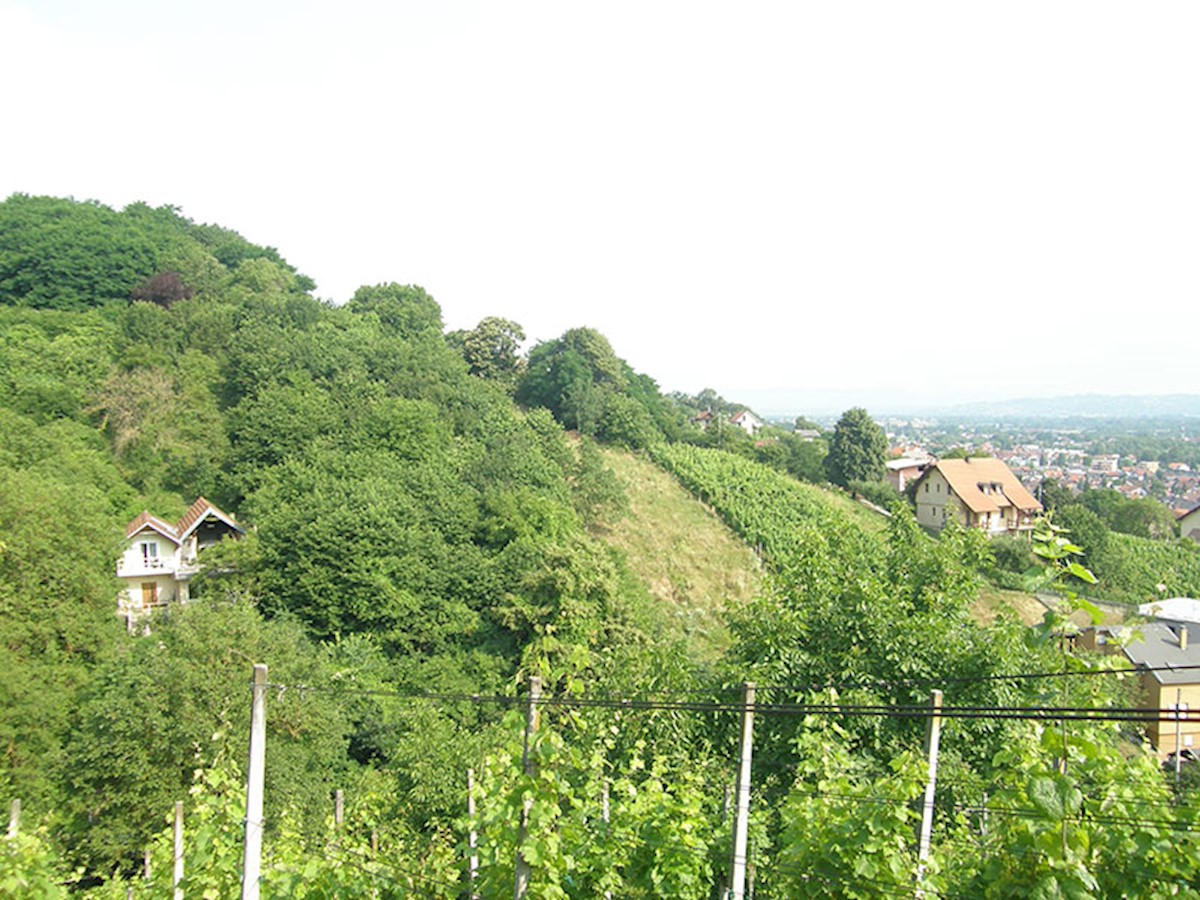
(1155, 459)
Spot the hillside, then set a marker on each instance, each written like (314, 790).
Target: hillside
(690, 561)
(422, 542)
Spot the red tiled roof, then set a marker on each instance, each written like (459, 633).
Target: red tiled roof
(193, 515)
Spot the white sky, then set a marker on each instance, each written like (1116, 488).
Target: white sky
(957, 200)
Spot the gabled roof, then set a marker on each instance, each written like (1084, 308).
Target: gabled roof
(1159, 650)
(144, 520)
(966, 476)
(177, 533)
(197, 513)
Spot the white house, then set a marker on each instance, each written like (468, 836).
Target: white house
(902, 472)
(747, 421)
(980, 493)
(160, 558)
(743, 419)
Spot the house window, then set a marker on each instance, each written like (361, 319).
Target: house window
(150, 554)
(927, 487)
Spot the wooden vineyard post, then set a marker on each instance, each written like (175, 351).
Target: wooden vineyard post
(741, 817)
(255, 777)
(177, 875)
(933, 736)
(529, 764)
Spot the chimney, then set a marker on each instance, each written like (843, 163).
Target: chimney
(1182, 637)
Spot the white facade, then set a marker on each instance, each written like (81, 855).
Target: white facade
(747, 421)
(160, 558)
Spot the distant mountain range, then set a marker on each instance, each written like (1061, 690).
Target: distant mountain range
(788, 403)
(1115, 406)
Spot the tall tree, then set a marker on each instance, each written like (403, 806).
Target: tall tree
(492, 349)
(858, 449)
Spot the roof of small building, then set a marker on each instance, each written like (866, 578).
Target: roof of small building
(145, 520)
(905, 463)
(196, 513)
(1159, 650)
(1176, 609)
(967, 475)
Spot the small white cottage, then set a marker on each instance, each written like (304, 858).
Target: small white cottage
(160, 558)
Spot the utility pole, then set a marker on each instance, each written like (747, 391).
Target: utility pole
(741, 820)
(529, 765)
(255, 777)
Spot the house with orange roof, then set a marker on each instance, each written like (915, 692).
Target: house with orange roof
(979, 493)
(160, 558)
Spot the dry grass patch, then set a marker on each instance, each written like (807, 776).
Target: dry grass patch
(692, 564)
(991, 600)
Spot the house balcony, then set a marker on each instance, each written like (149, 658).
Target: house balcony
(143, 568)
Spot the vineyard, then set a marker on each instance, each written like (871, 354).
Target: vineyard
(771, 511)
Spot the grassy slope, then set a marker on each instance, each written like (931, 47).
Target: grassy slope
(695, 566)
(690, 561)
(1027, 607)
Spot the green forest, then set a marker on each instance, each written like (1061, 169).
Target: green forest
(425, 516)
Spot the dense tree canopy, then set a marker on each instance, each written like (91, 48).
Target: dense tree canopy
(590, 389)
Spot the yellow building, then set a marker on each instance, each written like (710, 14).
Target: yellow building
(1169, 673)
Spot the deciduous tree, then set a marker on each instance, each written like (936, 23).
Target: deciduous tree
(857, 450)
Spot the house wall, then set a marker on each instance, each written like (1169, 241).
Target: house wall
(135, 570)
(1189, 526)
(933, 494)
(131, 596)
(1163, 696)
(133, 564)
(902, 478)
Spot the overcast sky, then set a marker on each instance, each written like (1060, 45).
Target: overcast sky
(953, 200)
